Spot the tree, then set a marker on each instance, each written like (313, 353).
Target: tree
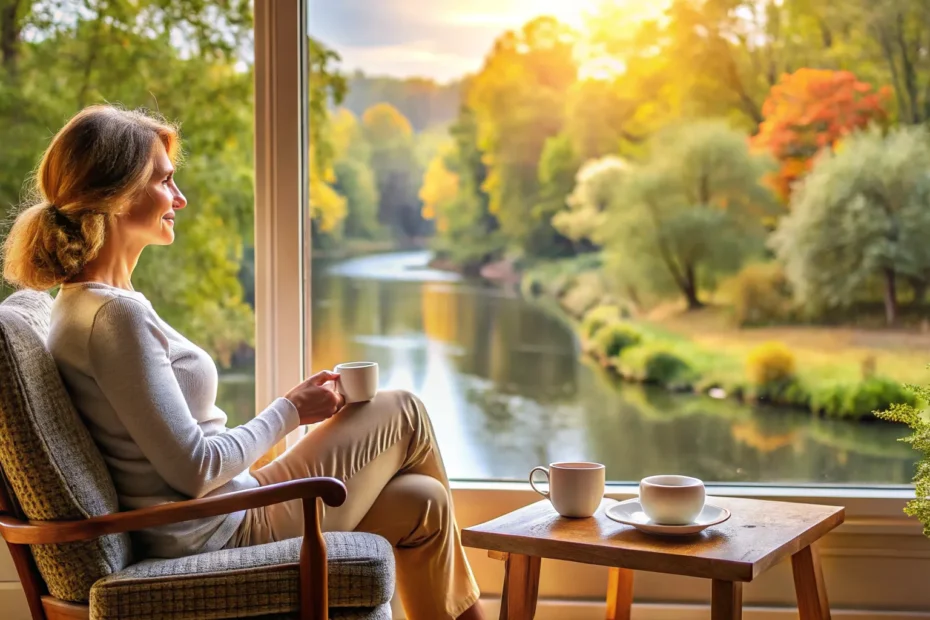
(395, 166)
(861, 215)
(327, 207)
(690, 212)
(809, 110)
(355, 180)
(597, 185)
(466, 231)
(518, 101)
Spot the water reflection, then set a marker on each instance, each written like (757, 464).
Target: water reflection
(507, 391)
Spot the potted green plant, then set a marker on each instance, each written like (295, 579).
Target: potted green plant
(918, 422)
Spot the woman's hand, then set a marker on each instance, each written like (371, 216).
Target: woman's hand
(315, 401)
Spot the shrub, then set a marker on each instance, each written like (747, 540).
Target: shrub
(859, 400)
(656, 364)
(828, 401)
(760, 295)
(613, 338)
(770, 363)
(790, 393)
(596, 319)
(919, 440)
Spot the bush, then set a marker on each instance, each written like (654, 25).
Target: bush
(791, 393)
(656, 364)
(858, 401)
(596, 319)
(770, 363)
(760, 295)
(613, 338)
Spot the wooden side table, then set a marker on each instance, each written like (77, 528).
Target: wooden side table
(755, 538)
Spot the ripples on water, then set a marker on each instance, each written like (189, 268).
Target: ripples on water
(506, 389)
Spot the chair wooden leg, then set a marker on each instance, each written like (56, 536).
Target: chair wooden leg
(521, 587)
(29, 577)
(314, 574)
(726, 601)
(619, 594)
(809, 586)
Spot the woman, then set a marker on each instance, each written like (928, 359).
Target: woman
(106, 190)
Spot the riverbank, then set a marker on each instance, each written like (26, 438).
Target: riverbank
(827, 371)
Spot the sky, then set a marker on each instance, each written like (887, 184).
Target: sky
(440, 39)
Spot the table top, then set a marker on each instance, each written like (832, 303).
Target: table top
(757, 536)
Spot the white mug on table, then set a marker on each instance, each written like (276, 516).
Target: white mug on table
(575, 488)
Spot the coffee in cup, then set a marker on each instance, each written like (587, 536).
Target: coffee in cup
(575, 489)
(358, 381)
(671, 500)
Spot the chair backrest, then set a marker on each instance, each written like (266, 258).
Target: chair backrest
(47, 456)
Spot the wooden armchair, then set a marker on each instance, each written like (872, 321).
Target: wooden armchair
(313, 595)
(59, 517)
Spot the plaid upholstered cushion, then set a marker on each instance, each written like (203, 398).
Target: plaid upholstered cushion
(248, 581)
(49, 458)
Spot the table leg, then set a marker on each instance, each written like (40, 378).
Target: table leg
(726, 601)
(619, 594)
(521, 587)
(809, 586)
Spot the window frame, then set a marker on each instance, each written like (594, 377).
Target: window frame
(283, 253)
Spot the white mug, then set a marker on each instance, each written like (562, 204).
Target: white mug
(671, 500)
(575, 489)
(358, 381)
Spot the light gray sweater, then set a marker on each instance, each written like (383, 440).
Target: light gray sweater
(148, 397)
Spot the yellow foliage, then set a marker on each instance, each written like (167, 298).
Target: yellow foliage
(344, 130)
(384, 123)
(769, 363)
(440, 186)
(327, 207)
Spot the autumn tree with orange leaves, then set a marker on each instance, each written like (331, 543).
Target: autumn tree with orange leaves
(812, 109)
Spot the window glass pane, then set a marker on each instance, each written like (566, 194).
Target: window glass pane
(192, 63)
(577, 230)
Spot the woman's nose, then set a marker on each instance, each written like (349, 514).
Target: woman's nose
(179, 200)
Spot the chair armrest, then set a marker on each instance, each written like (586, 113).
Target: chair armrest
(17, 531)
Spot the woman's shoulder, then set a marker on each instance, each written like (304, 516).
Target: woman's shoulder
(80, 304)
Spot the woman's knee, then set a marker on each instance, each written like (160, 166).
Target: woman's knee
(426, 503)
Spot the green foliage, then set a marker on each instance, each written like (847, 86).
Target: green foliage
(692, 211)
(907, 413)
(770, 363)
(517, 100)
(613, 338)
(596, 319)
(759, 295)
(861, 216)
(470, 235)
(396, 168)
(656, 363)
(597, 185)
(858, 401)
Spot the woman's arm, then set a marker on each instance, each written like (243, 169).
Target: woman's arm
(129, 355)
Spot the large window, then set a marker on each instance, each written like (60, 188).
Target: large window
(191, 62)
(585, 230)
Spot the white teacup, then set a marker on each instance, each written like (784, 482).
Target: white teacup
(575, 489)
(358, 381)
(671, 500)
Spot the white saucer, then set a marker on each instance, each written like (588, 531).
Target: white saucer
(630, 512)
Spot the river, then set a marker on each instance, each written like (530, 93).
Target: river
(507, 390)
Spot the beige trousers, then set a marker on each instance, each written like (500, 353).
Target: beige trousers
(385, 451)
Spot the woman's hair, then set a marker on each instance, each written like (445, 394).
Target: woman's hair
(98, 161)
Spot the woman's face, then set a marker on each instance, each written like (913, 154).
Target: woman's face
(149, 219)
